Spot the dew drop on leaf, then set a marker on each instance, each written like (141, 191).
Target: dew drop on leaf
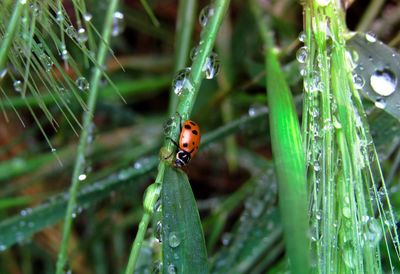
(370, 37)
(46, 61)
(211, 67)
(87, 17)
(302, 36)
(17, 85)
(302, 54)
(70, 30)
(180, 80)
(82, 83)
(60, 16)
(358, 81)
(205, 15)
(194, 52)
(173, 240)
(383, 82)
(172, 269)
(380, 103)
(118, 23)
(82, 36)
(82, 177)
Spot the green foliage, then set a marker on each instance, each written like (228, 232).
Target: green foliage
(89, 94)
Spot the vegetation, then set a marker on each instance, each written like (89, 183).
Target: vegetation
(298, 163)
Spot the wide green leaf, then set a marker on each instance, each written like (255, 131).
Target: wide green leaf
(184, 249)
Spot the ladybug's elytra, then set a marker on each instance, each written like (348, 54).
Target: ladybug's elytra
(189, 141)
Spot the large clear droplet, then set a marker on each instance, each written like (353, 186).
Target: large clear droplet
(173, 240)
(82, 83)
(211, 66)
(180, 80)
(18, 85)
(205, 14)
(302, 54)
(383, 82)
(118, 23)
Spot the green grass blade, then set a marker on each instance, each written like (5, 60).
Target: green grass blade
(288, 156)
(183, 241)
(30, 221)
(183, 39)
(83, 141)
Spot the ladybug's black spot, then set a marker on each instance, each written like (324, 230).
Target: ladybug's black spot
(193, 123)
(195, 132)
(185, 145)
(192, 143)
(188, 127)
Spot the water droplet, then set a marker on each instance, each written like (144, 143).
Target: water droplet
(82, 83)
(194, 52)
(318, 215)
(348, 256)
(172, 269)
(23, 2)
(346, 211)
(383, 82)
(82, 36)
(64, 53)
(180, 80)
(370, 37)
(35, 8)
(226, 238)
(302, 54)
(302, 36)
(158, 232)
(70, 30)
(87, 17)
(211, 66)
(358, 81)
(173, 240)
(3, 73)
(53, 150)
(18, 85)
(205, 15)
(46, 61)
(60, 16)
(118, 23)
(323, 3)
(380, 103)
(82, 177)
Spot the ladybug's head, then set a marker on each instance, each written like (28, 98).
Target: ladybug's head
(182, 158)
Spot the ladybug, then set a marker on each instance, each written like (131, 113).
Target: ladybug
(189, 141)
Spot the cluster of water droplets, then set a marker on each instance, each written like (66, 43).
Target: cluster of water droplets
(182, 81)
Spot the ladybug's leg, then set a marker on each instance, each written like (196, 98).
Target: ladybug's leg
(169, 138)
(180, 121)
(172, 140)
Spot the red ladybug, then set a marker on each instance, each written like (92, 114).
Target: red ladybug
(189, 141)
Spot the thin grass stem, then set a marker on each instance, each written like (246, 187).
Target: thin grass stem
(83, 141)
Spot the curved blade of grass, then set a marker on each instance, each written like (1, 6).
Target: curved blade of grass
(377, 61)
(184, 247)
(23, 226)
(288, 156)
(257, 230)
(185, 106)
